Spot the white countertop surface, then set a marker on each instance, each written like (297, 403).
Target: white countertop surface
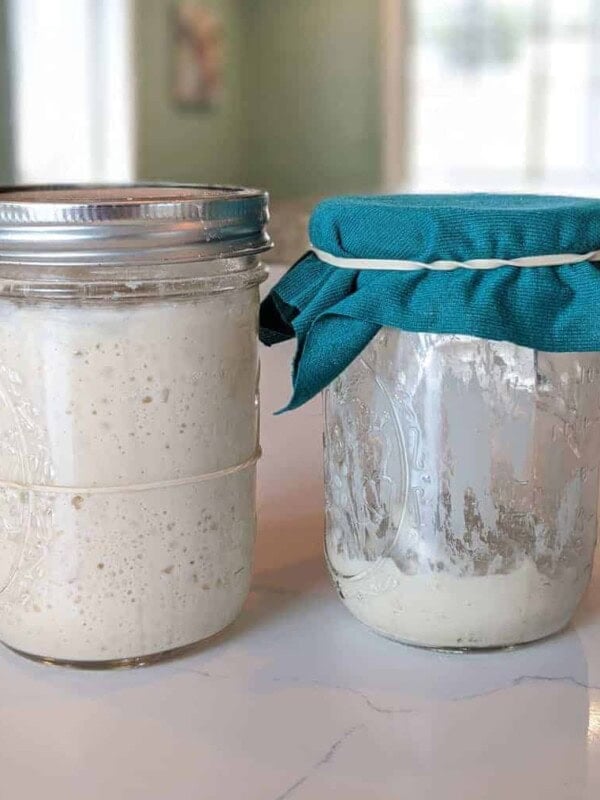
(298, 700)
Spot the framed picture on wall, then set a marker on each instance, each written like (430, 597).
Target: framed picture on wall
(198, 56)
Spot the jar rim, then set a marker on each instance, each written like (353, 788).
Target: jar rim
(145, 221)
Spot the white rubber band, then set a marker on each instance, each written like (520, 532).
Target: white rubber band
(134, 487)
(476, 263)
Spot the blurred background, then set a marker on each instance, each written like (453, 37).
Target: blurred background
(303, 97)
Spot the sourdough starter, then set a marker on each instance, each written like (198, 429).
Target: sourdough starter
(445, 610)
(114, 415)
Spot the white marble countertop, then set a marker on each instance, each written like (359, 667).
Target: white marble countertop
(298, 700)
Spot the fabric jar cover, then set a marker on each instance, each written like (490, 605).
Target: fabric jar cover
(518, 268)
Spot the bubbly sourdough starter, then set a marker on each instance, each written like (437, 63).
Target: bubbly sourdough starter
(442, 610)
(96, 397)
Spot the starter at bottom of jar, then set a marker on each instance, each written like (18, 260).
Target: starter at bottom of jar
(443, 610)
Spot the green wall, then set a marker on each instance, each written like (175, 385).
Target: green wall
(300, 114)
(6, 154)
(182, 144)
(312, 95)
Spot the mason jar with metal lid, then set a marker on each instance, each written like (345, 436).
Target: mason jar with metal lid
(128, 416)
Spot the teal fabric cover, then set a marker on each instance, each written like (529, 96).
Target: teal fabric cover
(334, 312)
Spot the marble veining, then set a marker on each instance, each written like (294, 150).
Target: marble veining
(326, 759)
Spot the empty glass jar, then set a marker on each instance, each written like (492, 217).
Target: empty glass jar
(128, 416)
(462, 488)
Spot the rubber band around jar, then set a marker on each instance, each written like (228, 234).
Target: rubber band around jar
(476, 263)
(134, 487)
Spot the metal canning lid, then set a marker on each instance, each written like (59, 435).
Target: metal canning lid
(146, 223)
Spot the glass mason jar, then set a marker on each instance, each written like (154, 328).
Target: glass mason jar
(128, 416)
(462, 488)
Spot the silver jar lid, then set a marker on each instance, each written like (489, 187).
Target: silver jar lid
(135, 223)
